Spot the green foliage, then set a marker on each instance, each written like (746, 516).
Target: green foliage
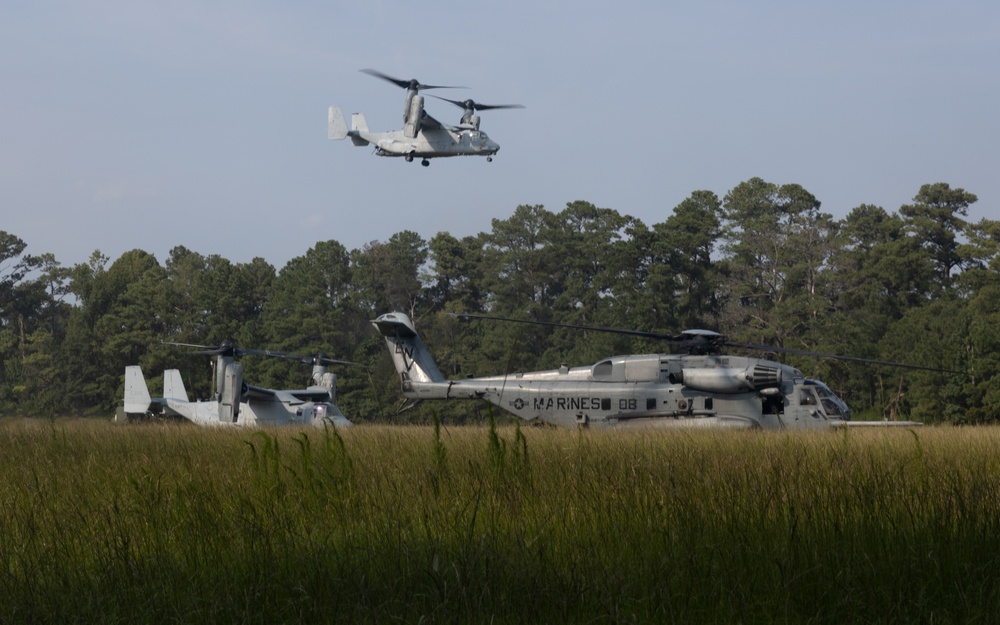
(778, 242)
(935, 219)
(386, 276)
(456, 278)
(306, 310)
(762, 265)
(683, 282)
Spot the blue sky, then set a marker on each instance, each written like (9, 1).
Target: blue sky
(138, 124)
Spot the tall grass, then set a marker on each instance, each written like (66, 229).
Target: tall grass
(418, 524)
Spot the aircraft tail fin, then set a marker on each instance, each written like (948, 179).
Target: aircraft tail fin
(173, 386)
(137, 399)
(358, 122)
(359, 128)
(336, 125)
(412, 360)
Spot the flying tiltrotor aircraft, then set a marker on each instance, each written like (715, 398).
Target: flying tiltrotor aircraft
(422, 136)
(702, 388)
(236, 403)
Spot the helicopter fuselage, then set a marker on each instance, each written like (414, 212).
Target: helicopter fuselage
(647, 390)
(431, 143)
(425, 140)
(655, 390)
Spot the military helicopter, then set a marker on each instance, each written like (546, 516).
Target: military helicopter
(700, 388)
(236, 403)
(422, 136)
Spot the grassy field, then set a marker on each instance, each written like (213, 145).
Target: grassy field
(168, 523)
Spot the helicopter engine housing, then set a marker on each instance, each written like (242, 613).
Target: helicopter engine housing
(229, 404)
(730, 379)
(414, 113)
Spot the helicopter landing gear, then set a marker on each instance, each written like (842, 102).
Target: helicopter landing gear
(409, 158)
(425, 162)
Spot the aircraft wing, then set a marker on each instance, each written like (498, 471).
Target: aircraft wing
(260, 394)
(429, 123)
(291, 398)
(310, 395)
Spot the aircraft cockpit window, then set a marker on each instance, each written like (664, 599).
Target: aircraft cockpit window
(823, 391)
(806, 397)
(831, 408)
(832, 405)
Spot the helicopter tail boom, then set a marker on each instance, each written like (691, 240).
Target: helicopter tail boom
(409, 355)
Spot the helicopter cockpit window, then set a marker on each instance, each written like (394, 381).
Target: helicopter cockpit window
(831, 406)
(806, 397)
(823, 391)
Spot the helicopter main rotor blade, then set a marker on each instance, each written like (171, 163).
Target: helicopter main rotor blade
(188, 345)
(235, 351)
(702, 339)
(476, 106)
(227, 346)
(246, 351)
(318, 359)
(803, 352)
(208, 350)
(650, 335)
(350, 363)
(413, 83)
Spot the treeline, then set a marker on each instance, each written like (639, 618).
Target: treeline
(762, 264)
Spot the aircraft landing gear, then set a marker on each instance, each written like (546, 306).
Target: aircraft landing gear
(425, 162)
(489, 159)
(409, 158)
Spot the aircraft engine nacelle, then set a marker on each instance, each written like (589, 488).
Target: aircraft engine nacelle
(414, 113)
(229, 402)
(730, 380)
